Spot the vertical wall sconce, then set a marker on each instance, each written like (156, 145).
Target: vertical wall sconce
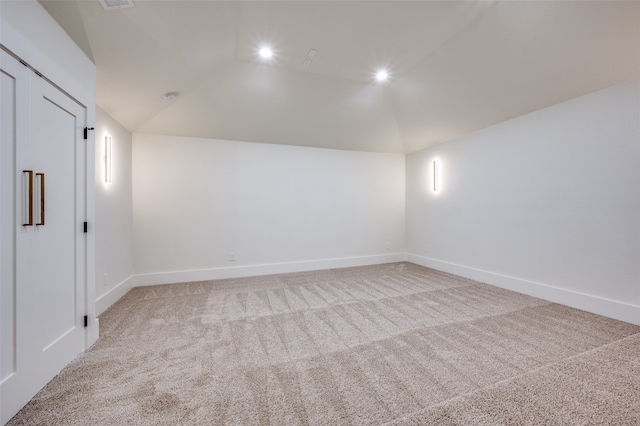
(107, 159)
(436, 175)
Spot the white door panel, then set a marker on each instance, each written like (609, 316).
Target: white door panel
(53, 246)
(8, 90)
(14, 378)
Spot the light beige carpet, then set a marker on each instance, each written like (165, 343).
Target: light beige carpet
(390, 344)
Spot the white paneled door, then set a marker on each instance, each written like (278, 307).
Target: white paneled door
(43, 251)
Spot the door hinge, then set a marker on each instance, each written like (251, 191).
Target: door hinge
(86, 132)
(86, 320)
(86, 227)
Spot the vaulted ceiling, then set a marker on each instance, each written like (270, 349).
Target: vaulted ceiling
(454, 66)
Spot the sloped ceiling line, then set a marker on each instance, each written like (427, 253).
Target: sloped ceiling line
(455, 66)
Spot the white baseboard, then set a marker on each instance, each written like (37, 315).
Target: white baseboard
(268, 269)
(597, 305)
(112, 296)
(586, 302)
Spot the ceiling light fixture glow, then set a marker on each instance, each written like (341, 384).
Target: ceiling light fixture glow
(382, 75)
(265, 52)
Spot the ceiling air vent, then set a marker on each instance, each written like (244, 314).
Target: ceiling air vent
(116, 4)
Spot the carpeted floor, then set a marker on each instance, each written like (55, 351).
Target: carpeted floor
(391, 344)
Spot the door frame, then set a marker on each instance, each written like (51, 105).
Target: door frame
(42, 44)
(85, 97)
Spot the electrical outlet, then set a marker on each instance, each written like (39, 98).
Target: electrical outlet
(426, 249)
(232, 257)
(388, 246)
(105, 279)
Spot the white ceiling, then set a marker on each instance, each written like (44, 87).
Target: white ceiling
(455, 66)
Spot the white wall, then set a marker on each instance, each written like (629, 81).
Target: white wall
(197, 200)
(547, 203)
(114, 213)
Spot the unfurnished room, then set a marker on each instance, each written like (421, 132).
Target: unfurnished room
(319, 212)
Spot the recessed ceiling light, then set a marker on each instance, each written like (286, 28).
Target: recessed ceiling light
(382, 75)
(265, 52)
